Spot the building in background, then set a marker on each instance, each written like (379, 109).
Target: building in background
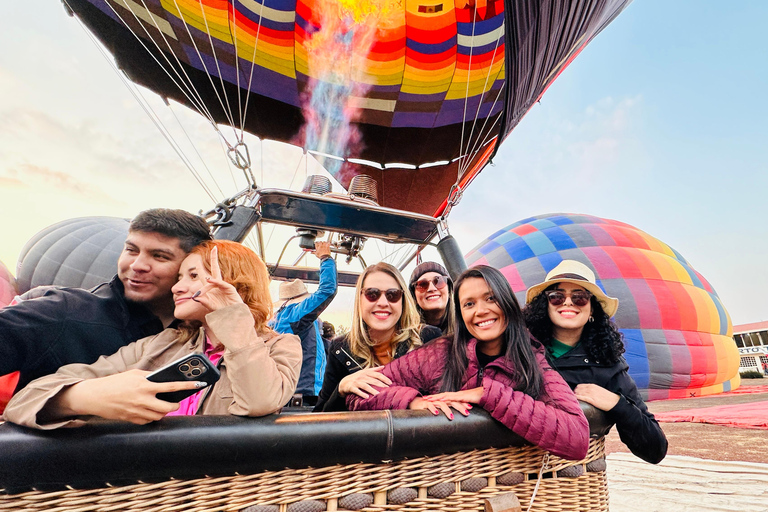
(752, 342)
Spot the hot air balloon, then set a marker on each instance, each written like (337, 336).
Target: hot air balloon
(677, 333)
(80, 253)
(415, 96)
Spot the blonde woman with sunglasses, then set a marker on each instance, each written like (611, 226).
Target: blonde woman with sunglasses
(571, 315)
(385, 326)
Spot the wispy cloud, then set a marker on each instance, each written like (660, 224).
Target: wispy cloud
(8, 182)
(34, 176)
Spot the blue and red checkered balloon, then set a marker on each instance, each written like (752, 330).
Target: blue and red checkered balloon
(677, 333)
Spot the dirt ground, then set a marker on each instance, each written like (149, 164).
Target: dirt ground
(705, 441)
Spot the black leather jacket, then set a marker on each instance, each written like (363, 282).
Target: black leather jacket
(341, 362)
(69, 325)
(637, 427)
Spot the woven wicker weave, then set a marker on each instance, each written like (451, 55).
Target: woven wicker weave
(288, 488)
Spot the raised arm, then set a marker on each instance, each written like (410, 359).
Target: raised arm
(553, 422)
(300, 316)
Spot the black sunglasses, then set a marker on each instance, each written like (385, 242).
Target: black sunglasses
(392, 295)
(580, 298)
(438, 281)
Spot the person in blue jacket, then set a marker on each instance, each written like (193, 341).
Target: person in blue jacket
(298, 312)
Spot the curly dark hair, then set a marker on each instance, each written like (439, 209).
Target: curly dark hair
(601, 338)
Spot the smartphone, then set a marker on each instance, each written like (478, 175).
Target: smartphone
(195, 367)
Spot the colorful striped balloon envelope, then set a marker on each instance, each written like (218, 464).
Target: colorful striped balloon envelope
(417, 94)
(677, 333)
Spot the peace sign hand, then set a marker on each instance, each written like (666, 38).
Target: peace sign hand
(216, 293)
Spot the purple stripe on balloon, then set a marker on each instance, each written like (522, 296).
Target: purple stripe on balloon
(513, 276)
(481, 26)
(278, 5)
(645, 300)
(385, 89)
(264, 81)
(413, 119)
(305, 25)
(486, 49)
(404, 96)
(280, 26)
(600, 236)
(106, 9)
(681, 355)
(448, 117)
(602, 263)
(430, 48)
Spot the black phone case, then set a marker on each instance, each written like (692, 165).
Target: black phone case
(192, 367)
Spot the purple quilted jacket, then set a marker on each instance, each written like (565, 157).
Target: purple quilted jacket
(554, 421)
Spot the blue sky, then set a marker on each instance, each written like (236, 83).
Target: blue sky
(659, 123)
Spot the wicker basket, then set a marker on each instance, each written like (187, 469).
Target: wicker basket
(452, 482)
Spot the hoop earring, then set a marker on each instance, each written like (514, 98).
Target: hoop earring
(591, 319)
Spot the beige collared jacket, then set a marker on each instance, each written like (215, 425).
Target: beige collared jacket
(258, 375)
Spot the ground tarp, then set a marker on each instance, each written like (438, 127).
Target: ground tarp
(749, 415)
(747, 390)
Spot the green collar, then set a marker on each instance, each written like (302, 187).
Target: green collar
(557, 349)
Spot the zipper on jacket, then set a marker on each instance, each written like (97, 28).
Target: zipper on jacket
(480, 373)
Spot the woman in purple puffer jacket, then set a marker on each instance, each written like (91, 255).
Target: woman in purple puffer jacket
(493, 362)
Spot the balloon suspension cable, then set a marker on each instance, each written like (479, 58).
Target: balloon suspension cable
(223, 209)
(240, 157)
(454, 198)
(478, 136)
(184, 84)
(413, 255)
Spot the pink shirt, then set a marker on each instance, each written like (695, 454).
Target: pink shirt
(188, 406)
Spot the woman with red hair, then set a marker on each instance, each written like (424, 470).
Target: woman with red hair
(222, 300)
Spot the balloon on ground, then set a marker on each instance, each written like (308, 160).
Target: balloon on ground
(677, 333)
(79, 253)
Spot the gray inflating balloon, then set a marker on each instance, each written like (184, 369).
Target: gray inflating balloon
(80, 253)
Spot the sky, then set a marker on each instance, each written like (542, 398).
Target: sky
(660, 123)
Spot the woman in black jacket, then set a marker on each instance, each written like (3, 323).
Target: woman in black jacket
(385, 325)
(571, 315)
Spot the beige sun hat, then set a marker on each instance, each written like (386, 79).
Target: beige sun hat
(575, 272)
(291, 292)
